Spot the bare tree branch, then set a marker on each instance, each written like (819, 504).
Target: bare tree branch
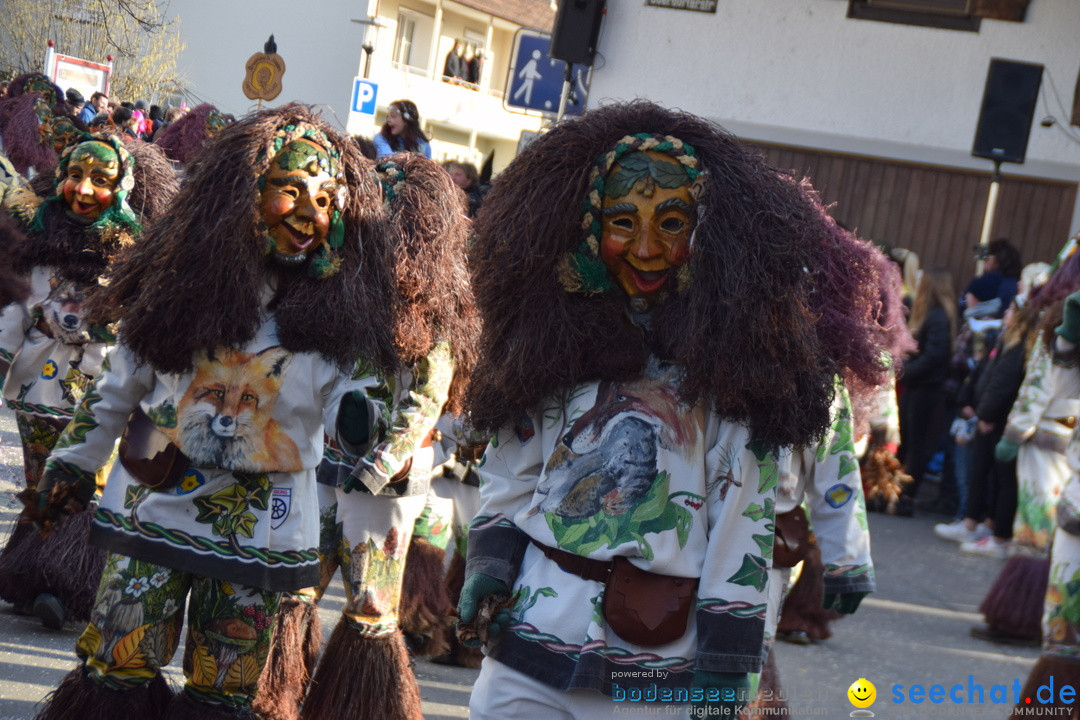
(143, 40)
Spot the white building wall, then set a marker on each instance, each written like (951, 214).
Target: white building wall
(319, 44)
(800, 72)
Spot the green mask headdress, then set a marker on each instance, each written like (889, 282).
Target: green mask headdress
(118, 216)
(326, 260)
(582, 270)
(390, 176)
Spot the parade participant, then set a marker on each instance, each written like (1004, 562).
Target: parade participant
(1036, 437)
(241, 314)
(1060, 659)
(429, 594)
(102, 196)
(26, 114)
(635, 365)
(182, 140)
(827, 479)
(364, 671)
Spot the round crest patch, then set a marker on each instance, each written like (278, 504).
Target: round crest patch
(838, 495)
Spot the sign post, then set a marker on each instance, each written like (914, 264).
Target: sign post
(362, 105)
(536, 79)
(71, 72)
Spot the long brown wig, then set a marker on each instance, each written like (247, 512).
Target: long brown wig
(194, 282)
(429, 227)
(773, 311)
(183, 139)
(12, 286)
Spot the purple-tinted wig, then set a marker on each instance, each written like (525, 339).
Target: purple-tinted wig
(183, 139)
(847, 301)
(1063, 283)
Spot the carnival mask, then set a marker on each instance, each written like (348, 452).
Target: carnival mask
(297, 201)
(89, 183)
(648, 216)
(63, 131)
(215, 123)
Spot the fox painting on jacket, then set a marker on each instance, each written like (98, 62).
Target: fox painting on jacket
(225, 417)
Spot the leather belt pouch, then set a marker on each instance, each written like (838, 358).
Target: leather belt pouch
(792, 538)
(149, 455)
(647, 608)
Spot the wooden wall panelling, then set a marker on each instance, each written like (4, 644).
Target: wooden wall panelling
(935, 211)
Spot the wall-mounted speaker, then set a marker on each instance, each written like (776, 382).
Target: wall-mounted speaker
(1008, 107)
(577, 26)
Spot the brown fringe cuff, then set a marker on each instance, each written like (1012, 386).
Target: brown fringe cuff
(185, 707)
(1064, 671)
(80, 698)
(362, 677)
(1013, 605)
(63, 564)
(802, 610)
(425, 612)
(294, 651)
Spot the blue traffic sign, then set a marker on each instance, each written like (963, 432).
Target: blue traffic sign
(536, 80)
(363, 96)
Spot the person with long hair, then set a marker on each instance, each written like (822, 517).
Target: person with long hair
(401, 132)
(922, 404)
(986, 527)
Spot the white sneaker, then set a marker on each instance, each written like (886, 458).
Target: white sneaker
(989, 546)
(957, 531)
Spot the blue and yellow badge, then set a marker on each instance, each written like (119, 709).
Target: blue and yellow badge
(192, 481)
(838, 495)
(50, 369)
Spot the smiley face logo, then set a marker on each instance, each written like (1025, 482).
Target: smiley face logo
(862, 693)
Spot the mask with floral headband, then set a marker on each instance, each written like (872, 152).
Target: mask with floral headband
(301, 197)
(639, 220)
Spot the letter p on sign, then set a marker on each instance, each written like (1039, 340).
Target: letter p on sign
(363, 96)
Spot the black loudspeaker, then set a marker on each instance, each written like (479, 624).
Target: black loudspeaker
(1008, 106)
(577, 26)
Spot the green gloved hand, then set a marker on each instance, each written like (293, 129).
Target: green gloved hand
(354, 421)
(1006, 450)
(1069, 329)
(477, 588)
(726, 692)
(844, 603)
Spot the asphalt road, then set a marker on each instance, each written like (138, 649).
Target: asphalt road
(913, 631)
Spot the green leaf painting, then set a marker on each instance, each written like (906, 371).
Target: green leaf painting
(163, 415)
(656, 512)
(753, 573)
(638, 166)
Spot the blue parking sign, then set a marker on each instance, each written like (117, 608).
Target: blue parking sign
(536, 80)
(363, 96)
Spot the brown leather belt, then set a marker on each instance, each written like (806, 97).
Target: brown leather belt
(585, 568)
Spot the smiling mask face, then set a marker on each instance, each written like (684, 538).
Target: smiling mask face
(647, 224)
(297, 201)
(89, 185)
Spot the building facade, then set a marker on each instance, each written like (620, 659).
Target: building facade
(324, 44)
(877, 104)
